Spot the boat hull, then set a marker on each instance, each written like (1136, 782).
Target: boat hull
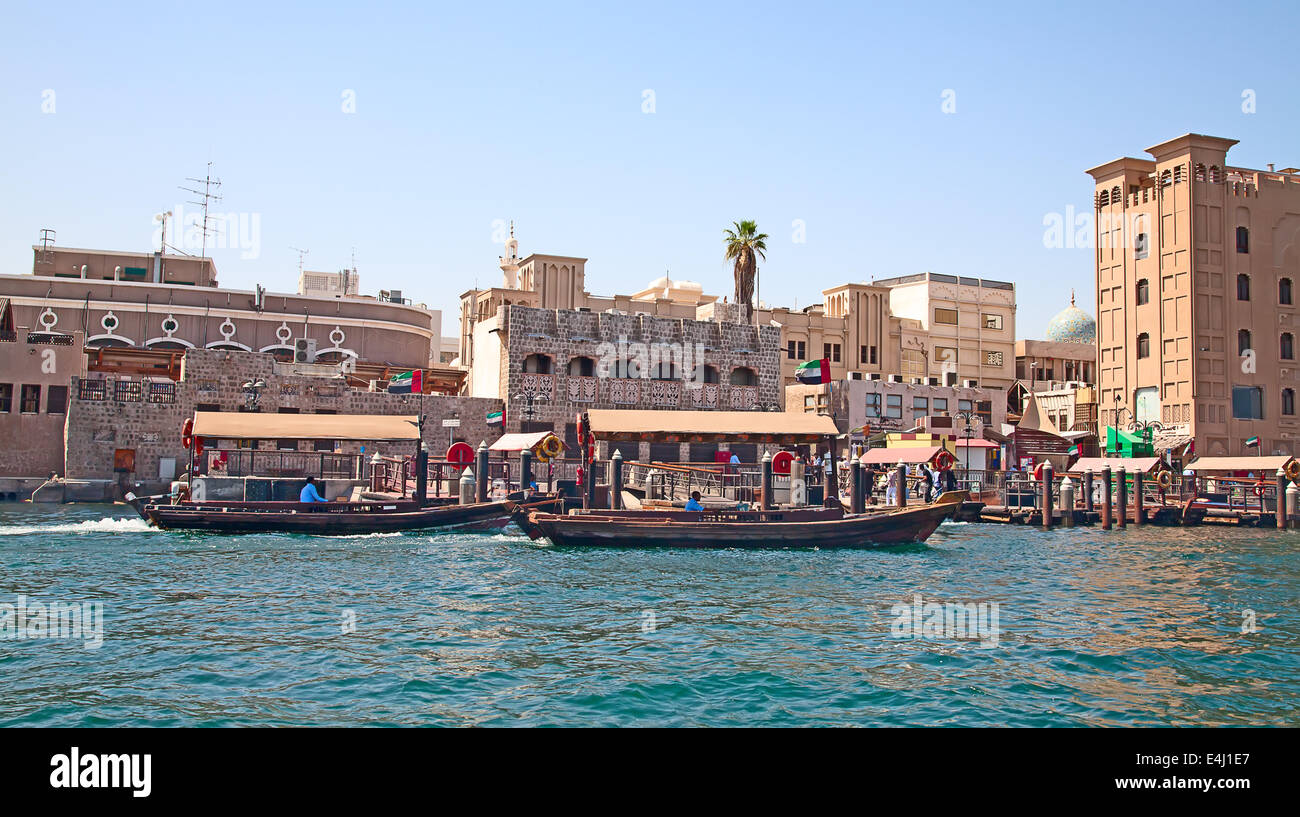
(325, 519)
(672, 531)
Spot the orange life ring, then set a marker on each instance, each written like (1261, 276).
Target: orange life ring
(1164, 479)
(550, 447)
(187, 433)
(1292, 470)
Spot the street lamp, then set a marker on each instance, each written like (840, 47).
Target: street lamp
(529, 399)
(253, 393)
(967, 417)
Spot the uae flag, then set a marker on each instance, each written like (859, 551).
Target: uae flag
(814, 371)
(1252, 442)
(1074, 450)
(496, 418)
(407, 383)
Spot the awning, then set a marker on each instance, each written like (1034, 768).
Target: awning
(976, 443)
(238, 425)
(520, 442)
(1131, 464)
(711, 426)
(1267, 465)
(893, 456)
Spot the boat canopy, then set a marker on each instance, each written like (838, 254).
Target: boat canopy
(256, 425)
(519, 442)
(1133, 465)
(1266, 465)
(779, 427)
(910, 455)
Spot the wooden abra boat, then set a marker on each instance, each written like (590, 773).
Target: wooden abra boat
(319, 518)
(802, 528)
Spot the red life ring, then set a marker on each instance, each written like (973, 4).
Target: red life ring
(1259, 490)
(781, 462)
(1038, 470)
(187, 433)
(945, 460)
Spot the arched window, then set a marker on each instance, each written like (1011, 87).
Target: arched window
(1215, 175)
(1199, 172)
(1143, 292)
(1144, 345)
(1284, 291)
(1243, 240)
(1243, 287)
(743, 376)
(581, 367)
(1166, 179)
(537, 364)
(1178, 174)
(1103, 200)
(1286, 349)
(710, 374)
(1243, 341)
(1288, 401)
(626, 367)
(1115, 196)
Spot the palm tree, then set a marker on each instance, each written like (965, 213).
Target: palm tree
(745, 245)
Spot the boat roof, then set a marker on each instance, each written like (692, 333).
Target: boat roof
(710, 426)
(907, 454)
(1142, 465)
(256, 425)
(1268, 465)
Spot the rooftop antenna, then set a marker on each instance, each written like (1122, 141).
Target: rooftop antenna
(301, 253)
(207, 194)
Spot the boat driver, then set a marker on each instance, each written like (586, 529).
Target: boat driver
(309, 493)
(693, 504)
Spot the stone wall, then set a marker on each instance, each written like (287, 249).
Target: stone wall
(103, 416)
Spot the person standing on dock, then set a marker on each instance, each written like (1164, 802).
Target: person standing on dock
(891, 487)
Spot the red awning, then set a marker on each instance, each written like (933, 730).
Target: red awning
(893, 456)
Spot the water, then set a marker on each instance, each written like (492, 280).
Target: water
(1122, 628)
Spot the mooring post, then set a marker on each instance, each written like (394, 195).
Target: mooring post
(765, 487)
(467, 486)
(1105, 498)
(831, 491)
(1067, 503)
(900, 496)
(1292, 504)
(1280, 510)
(1088, 503)
(1047, 494)
(616, 481)
(855, 504)
(481, 466)
(1121, 511)
(525, 469)
(422, 475)
(1137, 498)
(798, 487)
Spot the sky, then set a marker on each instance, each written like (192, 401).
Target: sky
(867, 140)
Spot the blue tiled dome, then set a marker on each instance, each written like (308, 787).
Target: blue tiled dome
(1072, 325)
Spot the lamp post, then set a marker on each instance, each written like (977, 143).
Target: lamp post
(253, 393)
(967, 418)
(530, 399)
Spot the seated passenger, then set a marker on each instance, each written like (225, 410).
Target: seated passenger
(693, 504)
(309, 493)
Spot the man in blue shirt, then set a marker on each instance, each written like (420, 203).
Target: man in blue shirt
(693, 504)
(309, 493)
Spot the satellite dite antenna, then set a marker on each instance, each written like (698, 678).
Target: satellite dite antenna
(209, 185)
(301, 253)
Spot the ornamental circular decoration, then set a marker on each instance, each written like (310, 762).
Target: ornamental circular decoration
(109, 322)
(48, 319)
(283, 332)
(227, 329)
(337, 337)
(170, 325)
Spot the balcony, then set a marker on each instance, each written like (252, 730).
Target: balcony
(538, 384)
(744, 398)
(665, 392)
(581, 389)
(624, 391)
(703, 395)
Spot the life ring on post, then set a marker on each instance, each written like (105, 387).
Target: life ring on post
(944, 460)
(1259, 490)
(1292, 470)
(1038, 470)
(187, 433)
(550, 447)
(1164, 479)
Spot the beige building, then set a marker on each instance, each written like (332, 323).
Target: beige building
(329, 284)
(1197, 263)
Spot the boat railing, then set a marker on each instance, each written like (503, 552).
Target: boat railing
(674, 481)
(247, 462)
(1232, 494)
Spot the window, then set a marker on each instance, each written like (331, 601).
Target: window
(6, 398)
(945, 354)
(1243, 240)
(1243, 341)
(992, 358)
(537, 364)
(56, 400)
(873, 355)
(831, 351)
(940, 404)
(1288, 402)
(208, 407)
(795, 350)
(322, 445)
(1243, 287)
(984, 409)
(1143, 292)
(743, 377)
(873, 405)
(809, 402)
(947, 317)
(1247, 403)
(862, 354)
(1140, 246)
(964, 405)
(894, 406)
(1144, 347)
(993, 322)
(1287, 350)
(710, 374)
(581, 367)
(920, 407)
(31, 399)
(286, 445)
(1284, 291)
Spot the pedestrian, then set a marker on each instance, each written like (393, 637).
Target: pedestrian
(891, 487)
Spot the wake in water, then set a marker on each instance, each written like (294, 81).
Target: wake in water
(106, 525)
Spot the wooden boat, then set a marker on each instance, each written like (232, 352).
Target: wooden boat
(803, 528)
(320, 518)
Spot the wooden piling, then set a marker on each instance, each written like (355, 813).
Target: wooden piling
(1105, 499)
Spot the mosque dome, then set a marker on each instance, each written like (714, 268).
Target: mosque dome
(1072, 325)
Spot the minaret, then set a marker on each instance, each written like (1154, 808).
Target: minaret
(510, 261)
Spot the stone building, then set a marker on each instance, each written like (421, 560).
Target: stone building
(35, 370)
(549, 365)
(1197, 263)
(111, 421)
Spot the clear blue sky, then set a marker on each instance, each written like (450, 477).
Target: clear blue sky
(470, 113)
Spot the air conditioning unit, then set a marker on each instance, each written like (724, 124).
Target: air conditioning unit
(895, 378)
(855, 376)
(970, 384)
(934, 381)
(916, 381)
(304, 350)
(348, 365)
(377, 385)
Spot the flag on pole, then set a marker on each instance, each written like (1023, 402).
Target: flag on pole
(1252, 442)
(1074, 450)
(496, 418)
(814, 372)
(411, 382)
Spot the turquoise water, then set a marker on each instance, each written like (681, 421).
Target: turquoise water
(1133, 628)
